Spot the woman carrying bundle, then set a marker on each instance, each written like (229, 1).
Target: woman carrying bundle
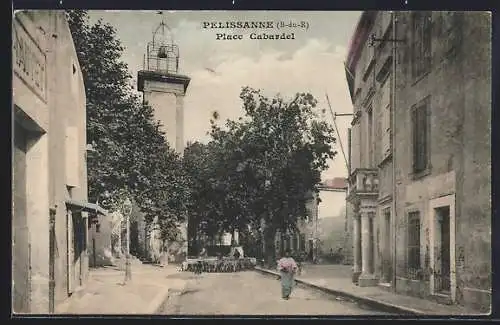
(287, 268)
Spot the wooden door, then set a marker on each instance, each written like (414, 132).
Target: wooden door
(77, 247)
(387, 254)
(70, 252)
(445, 250)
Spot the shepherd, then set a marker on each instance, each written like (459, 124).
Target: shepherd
(287, 268)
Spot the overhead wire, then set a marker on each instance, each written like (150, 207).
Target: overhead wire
(337, 130)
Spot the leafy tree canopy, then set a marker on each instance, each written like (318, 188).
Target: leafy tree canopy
(262, 166)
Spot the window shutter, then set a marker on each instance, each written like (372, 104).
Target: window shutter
(414, 129)
(420, 129)
(423, 136)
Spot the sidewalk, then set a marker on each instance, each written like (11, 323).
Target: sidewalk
(104, 293)
(336, 279)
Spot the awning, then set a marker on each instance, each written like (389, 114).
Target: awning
(86, 206)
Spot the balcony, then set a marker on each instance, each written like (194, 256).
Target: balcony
(363, 182)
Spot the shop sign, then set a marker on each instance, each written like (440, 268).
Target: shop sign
(29, 61)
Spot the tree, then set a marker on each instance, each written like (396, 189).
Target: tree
(287, 148)
(262, 166)
(130, 155)
(201, 163)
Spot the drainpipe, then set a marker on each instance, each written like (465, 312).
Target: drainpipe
(349, 152)
(393, 147)
(52, 279)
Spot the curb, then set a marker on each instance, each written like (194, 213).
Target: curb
(163, 299)
(159, 301)
(374, 303)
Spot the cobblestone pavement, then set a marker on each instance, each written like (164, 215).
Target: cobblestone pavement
(251, 293)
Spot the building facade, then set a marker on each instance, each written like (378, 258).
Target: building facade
(305, 238)
(420, 176)
(50, 208)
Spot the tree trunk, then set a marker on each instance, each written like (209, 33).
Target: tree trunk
(269, 246)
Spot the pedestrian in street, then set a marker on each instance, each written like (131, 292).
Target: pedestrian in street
(203, 253)
(236, 254)
(299, 260)
(287, 268)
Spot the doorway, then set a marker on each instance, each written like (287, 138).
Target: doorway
(311, 250)
(443, 279)
(21, 249)
(371, 256)
(386, 247)
(442, 270)
(76, 234)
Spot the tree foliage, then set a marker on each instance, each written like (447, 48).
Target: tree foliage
(130, 156)
(264, 166)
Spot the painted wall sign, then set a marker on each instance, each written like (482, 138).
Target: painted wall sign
(29, 61)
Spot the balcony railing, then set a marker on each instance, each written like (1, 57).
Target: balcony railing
(363, 181)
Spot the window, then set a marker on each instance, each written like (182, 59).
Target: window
(420, 130)
(421, 43)
(413, 262)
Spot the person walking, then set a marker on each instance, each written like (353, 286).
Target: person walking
(287, 268)
(298, 258)
(198, 267)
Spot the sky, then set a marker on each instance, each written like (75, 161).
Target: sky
(312, 62)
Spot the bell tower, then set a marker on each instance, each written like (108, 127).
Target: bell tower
(163, 89)
(162, 86)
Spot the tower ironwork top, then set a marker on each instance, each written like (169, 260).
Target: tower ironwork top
(162, 54)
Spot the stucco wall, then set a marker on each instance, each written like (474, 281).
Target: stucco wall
(65, 110)
(50, 93)
(164, 111)
(99, 242)
(474, 201)
(31, 111)
(460, 108)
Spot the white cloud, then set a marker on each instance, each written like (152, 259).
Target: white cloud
(316, 67)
